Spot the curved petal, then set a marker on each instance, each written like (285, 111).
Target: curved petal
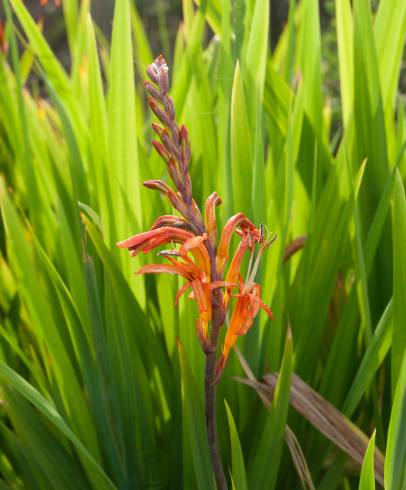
(202, 296)
(170, 220)
(222, 284)
(153, 238)
(238, 220)
(268, 310)
(164, 188)
(199, 252)
(210, 217)
(201, 293)
(182, 291)
(233, 274)
(246, 309)
(159, 268)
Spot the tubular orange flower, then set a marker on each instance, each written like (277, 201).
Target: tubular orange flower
(248, 301)
(238, 220)
(154, 238)
(210, 217)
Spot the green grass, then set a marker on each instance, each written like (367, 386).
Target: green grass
(101, 378)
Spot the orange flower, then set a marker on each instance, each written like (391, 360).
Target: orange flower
(248, 301)
(196, 271)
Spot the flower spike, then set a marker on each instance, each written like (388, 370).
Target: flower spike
(195, 254)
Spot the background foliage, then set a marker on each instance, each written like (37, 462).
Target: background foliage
(101, 378)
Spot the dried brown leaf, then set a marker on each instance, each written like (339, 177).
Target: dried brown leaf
(326, 418)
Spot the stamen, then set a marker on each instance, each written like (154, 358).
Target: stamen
(261, 232)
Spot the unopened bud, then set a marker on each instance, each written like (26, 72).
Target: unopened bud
(152, 72)
(184, 148)
(174, 174)
(164, 79)
(160, 114)
(158, 185)
(169, 107)
(157, 129)
(162, 151)
(184, 136)
(169, 144)
(172, 221)
(153, 92)
(164, 188)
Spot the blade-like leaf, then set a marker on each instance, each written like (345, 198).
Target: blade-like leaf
(7, 375)
(237, 458)
(399, 278)
(367, 480)
(395, 460)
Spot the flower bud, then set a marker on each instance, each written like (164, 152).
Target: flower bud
(160, 114)
(163, 152)
(153, 92)
(169, 107)
(157, 129)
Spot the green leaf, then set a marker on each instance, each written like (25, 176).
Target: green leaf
(264, 465)
(241, 146)
(70, 10)
(123, 149)
(390, 31)
(367, 480)
(345, 56)
(9, 376)
(256, 52)
(395, 459)
(399, 278)
(372, 360)
(310, 63)
(237, 459)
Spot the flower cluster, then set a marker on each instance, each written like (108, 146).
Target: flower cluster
(199, 257)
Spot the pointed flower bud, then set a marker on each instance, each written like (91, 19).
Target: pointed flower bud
(162, 151)
(210, 217)
(160, 114)
(153, 92)
(173, 197)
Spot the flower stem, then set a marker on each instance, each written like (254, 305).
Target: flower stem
(211, 423)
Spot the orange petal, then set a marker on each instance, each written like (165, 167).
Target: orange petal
(170, 220)
(199, 252)
(237, 318)
(201, 329)
(238, 220)
(159, 268)
(203, 299)
(150, 239)
(268, 310)
(222, 284)
(233, 274)
(210, 217)
(182, 291)
(190, 269)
